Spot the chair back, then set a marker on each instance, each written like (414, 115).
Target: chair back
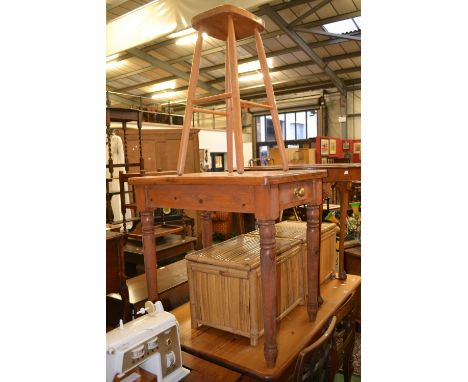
(313, 362)
(343, 339)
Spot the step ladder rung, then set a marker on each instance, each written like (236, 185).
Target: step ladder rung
(208, 111)
(246, 104)
(211, 98)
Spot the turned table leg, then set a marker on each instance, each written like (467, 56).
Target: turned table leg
(319, 298)
(207, 229)
(268, 271)
(149, 253)
(343, 190)
(313, 260)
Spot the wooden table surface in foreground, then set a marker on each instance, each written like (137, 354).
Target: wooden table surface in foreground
(295, 332)
(341, 174)
(263, 193)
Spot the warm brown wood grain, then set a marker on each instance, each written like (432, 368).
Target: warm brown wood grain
(149, 247)
(294, 332)
(204, 371)
(341, 174)
(151, 191)
(167, 247)
(207, 229)
(253, 178)
(232, 23)
(235, 113)
(188, 108)
(215, 22)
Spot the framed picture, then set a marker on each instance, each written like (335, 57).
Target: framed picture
(345, 145)
(357, 147)
(324, 144)
(332, 146)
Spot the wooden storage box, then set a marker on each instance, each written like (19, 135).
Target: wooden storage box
(297, 230)
(225, 286)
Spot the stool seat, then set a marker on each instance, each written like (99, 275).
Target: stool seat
(214, 22)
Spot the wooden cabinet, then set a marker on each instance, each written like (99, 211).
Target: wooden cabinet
(160, 152)
(161, 149)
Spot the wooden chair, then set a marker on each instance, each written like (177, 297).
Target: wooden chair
(343, 340)
(115, 273)
(313, 362)
(229, 23)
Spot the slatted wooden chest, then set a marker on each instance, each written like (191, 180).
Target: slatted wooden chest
(298, 230)
(225, 284)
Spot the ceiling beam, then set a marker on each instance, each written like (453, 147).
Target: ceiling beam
(221, 66)
(323, 33)
(333, 19)
(285, 5)
(298, 88)
(278, 20)
(290, 79)
(275, 53)
(241, 42)
(309, 12)
(120, 99)
(168, 68)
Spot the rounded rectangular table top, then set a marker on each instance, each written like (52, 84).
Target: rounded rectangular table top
(254, 178)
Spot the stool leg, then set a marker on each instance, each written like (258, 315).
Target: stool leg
(235, 101)
(229, 112)
(188, 108)
(271, 99)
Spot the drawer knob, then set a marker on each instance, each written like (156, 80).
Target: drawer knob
(299, 192)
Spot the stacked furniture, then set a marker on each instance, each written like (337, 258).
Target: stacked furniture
(263, 193)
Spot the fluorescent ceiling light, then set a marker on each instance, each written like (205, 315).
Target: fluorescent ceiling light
(190, 39)
(340, 27)
(164, 95)
(164, 86)
(252, 77)
(114, 64)
(254, 65)
(183, 32)
(113, 57)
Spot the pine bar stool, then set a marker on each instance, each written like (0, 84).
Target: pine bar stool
(229, 23)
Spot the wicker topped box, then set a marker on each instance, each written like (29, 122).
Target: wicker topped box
(225, 284)
(297, 230)
(240, 252)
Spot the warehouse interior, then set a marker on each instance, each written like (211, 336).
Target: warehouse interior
(234, 206)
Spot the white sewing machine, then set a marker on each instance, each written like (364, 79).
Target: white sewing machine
(150, 342)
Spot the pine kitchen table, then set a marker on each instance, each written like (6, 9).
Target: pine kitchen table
(263, 193)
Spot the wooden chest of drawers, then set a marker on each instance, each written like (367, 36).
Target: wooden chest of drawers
(225, 284)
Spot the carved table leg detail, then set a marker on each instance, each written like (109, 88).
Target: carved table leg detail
(343, 190)
(313, 260)
(149, 251)
(207, 229)
(268, 267)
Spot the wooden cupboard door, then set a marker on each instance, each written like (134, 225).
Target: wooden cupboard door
(168, 150)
